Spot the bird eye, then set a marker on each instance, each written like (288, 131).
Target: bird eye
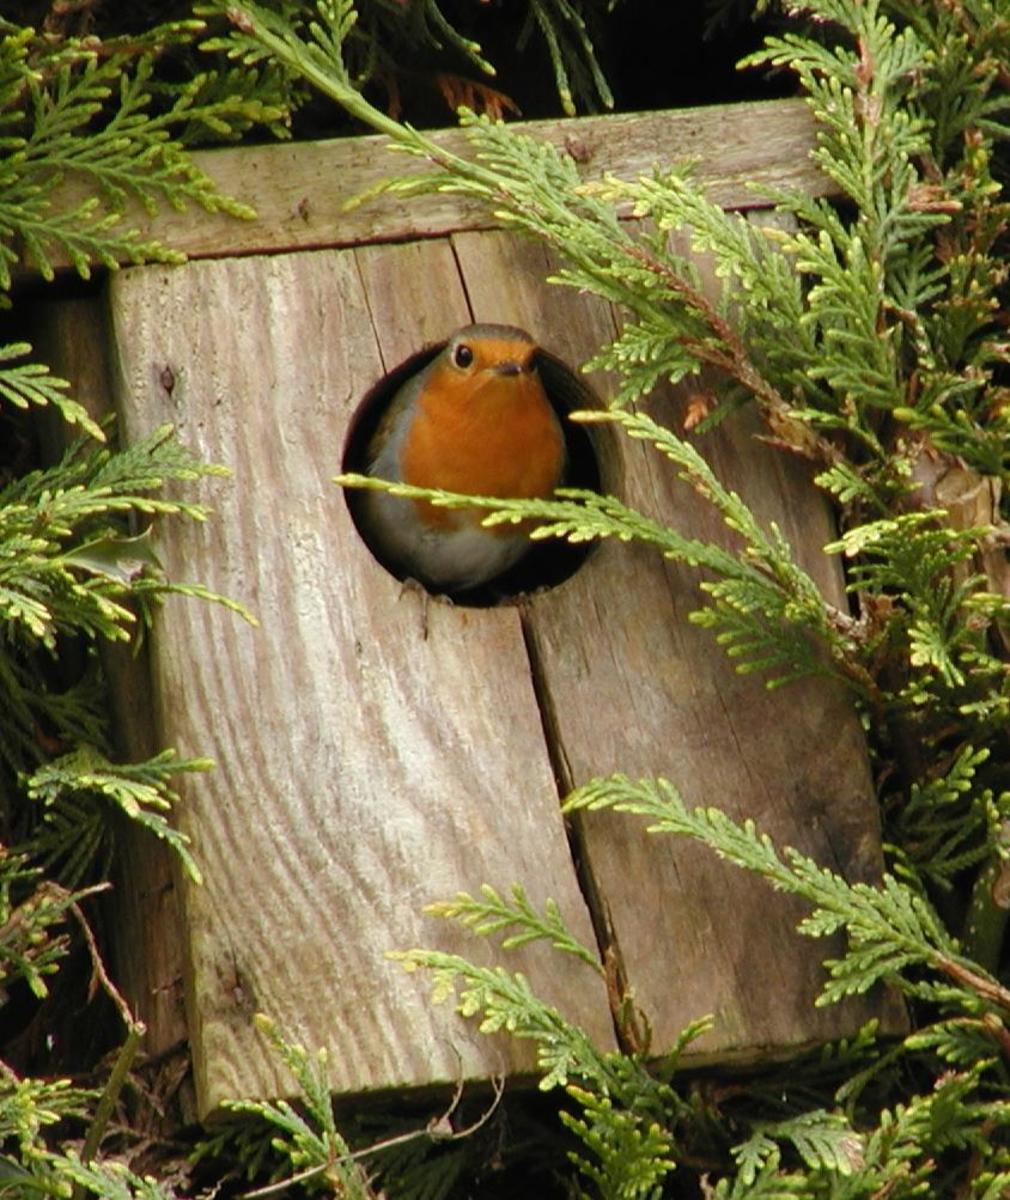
(462, 356)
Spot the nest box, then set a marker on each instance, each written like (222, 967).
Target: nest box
(376, 752)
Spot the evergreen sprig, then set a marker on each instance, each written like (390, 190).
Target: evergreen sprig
(29, 1166)
(825, 1141)
(631, 1157)
(494, 913)
(505, 1002)
(30, 911)
(938, 610)
(71, 568)
(891, 928)
(26, 383)
(949, 823)
(314, 1149)
(628, 1115)
(909, 289)
(66, 558)
(904, 1155)
(97, 119)
(75, 791)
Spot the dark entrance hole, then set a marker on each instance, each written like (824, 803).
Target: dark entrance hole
(548, 562)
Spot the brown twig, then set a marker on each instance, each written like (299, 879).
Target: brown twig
(736, 362)
(99, 975)
(135, 1031)
(989, 989)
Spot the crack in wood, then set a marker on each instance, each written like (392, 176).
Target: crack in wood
(607, 944)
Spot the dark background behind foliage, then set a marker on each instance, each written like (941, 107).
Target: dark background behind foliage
(654, 53)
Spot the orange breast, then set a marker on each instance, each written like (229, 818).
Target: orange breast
(494, 435)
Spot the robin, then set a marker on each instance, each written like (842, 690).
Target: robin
(475, 420)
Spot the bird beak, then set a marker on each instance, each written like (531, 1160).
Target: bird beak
(508, 368)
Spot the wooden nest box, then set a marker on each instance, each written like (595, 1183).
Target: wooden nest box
(375, 754)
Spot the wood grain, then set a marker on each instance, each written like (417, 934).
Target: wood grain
(300, 191)
(374, 752)
(627, 684)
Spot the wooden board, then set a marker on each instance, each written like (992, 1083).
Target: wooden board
(300, 190)
(372, 756)
(627, 684)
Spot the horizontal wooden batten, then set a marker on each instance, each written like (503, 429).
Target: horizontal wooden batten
(301, 191)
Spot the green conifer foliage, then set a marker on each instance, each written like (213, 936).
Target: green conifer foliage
(868, 331)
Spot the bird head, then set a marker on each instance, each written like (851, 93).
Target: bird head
(478, 354)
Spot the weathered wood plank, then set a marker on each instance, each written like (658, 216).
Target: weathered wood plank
(71, 337)
(371, 757)
(627, 684)
(300, 190)
(414, 294)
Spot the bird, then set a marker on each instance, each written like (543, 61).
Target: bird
(474, 420)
